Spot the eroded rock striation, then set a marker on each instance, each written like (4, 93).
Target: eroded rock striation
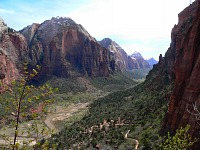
(65, 49)
(184, 66)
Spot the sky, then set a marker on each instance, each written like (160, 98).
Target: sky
(136, 25)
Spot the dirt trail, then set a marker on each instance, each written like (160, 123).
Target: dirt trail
(62, 114)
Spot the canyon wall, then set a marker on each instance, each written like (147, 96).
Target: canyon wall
(184, 53)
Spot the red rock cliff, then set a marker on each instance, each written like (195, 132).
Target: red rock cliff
(186, 94)
(66, 49)
(13, 51)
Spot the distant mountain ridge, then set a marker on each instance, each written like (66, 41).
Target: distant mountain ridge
(136, 55)
(152, 61)
(126, 62)
(141, 62)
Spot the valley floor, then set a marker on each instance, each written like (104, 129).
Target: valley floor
(63, 114)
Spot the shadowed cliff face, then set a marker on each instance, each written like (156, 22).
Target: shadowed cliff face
(13, 51)
(65, 49)
(186, 94)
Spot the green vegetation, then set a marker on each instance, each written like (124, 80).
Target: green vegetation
(116, 82)
(83, 91)
(138, 73)
(21, 102)
(66, 85)
(139, 109)
(180, 141)
(102, 124)
(86, 90)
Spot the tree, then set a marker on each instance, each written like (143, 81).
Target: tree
(194, 111)
(180, 141)
(21, 101)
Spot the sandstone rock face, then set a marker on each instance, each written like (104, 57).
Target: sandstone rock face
(13, 51)
(185, 49)
(125, 62)
(65, 49)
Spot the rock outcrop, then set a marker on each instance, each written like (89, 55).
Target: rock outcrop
(65, 49)
(184, 61)
(125, 62)
(13, 51)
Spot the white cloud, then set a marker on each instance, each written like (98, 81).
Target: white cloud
(5, 11)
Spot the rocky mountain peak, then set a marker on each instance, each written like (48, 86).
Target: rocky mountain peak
(136, 55)
(140, 62)
(3, 26)
(152, 61)
(111, 45)
(58, 21)
(66, 21)
(106, 42)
